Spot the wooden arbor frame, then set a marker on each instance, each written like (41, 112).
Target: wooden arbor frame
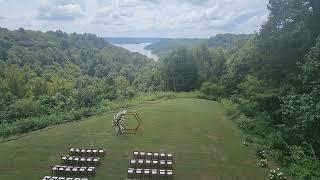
(139, 121)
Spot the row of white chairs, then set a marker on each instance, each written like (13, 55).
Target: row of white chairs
(152, 155)
(73, 170)
(149, 173)
(81, 161)
(89, 152)
(147, 163)
(62, 178)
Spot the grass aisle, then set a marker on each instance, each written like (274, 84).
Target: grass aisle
(206, 145)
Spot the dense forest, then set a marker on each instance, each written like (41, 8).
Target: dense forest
(270, 80)
(228, 41)
(43, 74)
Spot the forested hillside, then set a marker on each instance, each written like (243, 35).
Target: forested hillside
(269, 82)
(54, 72)
(166, 46)
(225, 41)
(229, 41)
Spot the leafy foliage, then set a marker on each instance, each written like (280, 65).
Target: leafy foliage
(229, 41)
(180, 71)
(272, 84)
(54, 72)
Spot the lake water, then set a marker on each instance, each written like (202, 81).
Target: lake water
(139, 48)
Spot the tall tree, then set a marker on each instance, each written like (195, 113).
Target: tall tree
(290, 31)
(180, 71)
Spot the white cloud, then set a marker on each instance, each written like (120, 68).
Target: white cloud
(60, 11)
(173, 18)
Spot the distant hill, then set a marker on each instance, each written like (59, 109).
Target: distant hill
(225, 41)
(158, 46)
(229, 41)
(165, 46)
(85, 50)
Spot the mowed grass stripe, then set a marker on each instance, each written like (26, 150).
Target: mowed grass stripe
(206, 144)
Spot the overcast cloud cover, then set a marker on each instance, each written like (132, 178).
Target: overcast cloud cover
(142, 18)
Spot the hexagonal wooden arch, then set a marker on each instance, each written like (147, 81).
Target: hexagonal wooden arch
(137, 118)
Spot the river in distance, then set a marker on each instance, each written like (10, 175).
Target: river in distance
(140, 49)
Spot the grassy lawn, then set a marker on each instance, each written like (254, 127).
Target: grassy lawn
(206, 145)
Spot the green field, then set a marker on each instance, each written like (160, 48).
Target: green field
(205, 143)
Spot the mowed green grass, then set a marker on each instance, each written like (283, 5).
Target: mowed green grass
(206, 144)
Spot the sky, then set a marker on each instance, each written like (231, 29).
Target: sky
(136, 18)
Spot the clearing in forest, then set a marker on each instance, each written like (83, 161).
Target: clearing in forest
(205, 143)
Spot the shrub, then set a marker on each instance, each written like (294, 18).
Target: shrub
(7, 131)
(245, 123)
(212, 90)
(27, 108)
(232, 109)
(247, 107)
(304, 165)
(129, 93)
